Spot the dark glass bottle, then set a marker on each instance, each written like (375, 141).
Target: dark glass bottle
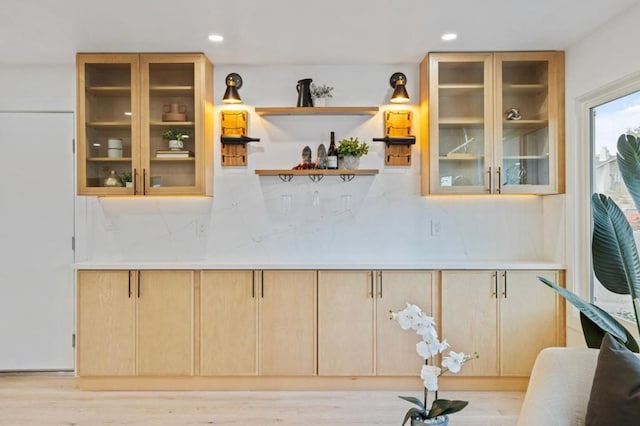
(332, 153)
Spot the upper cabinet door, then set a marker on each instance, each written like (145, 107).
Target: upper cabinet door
(176, 95)
(460, 122)
(126, 105)
(528, 122)
(108, 131)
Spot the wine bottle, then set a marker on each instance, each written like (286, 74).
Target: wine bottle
(237, 139)
(332, 153)
(400, 140)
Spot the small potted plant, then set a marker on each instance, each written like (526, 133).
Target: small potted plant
(175, 138)
(349, 152)
(126, 179)
(320, 93)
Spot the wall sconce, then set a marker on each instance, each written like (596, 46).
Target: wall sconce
(231, 95)
(398, 81)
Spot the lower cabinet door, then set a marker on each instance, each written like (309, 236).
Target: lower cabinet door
(396, 348)
(165, 323)
(470, 318)
(346, 323)
(530, 320)
(228, 323)
(105, 324)
(287, 325)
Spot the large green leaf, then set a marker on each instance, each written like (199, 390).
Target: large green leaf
(414, 400)
(603, 321)
(615, 256)
(443, 407)
(628, 160)
(593, 334)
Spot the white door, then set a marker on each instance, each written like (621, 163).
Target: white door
(36, 227)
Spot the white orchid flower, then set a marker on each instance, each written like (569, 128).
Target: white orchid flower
(428, 349)
(408, 317)
(429, 375)
(454, 361)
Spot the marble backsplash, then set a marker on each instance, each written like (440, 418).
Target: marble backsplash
(263, 220)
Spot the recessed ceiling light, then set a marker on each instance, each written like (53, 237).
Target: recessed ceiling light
(449, 36)
(216, 38)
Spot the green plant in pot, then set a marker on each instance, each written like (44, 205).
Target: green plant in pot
(349, 151)
(175, 138)
(126, 178)
(614, 253)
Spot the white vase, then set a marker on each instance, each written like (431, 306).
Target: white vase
(175, 145)
(349, 162)
(319, 102)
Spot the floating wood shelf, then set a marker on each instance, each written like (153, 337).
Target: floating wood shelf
(365, 110)
(316, 175)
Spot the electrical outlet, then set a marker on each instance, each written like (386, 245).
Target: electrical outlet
(435, 228)
(201, 229)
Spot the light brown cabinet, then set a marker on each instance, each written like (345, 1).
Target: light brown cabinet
(125, 103)
(228, 323)
(135, 323)
(493, 123)
(258, 322)
(288, 312)
(507, 317)
(355, 335)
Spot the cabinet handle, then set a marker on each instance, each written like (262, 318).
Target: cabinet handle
(495, 285)
(129, 284)
(490, 180)
(372, 291)
(504, 278)
(144, 181)
(253, 284)
(262, 284)
(135, 181)
(139, 273)
(499, 172)
(380, 284)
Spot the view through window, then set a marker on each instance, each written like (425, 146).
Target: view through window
(608, 122)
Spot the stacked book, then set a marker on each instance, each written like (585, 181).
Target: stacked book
(173, 154)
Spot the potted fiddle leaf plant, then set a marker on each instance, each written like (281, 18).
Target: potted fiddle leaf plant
(349, 152)
(615, 255)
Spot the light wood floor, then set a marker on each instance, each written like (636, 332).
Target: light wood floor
(54, 400)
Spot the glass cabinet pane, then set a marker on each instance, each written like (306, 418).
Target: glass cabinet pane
(171, 113)
(525, 124)
(461, 125)
(108, 131)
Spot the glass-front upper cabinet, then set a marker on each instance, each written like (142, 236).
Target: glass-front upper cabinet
(496, 123)
(460, 117)
(528, 116)
(146, 124)
(107, 132)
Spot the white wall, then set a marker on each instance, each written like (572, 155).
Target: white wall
(261, 220)
(607, 55)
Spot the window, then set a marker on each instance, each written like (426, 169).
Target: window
(609, 120)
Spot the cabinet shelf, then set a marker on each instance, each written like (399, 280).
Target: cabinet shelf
(110, 124)
(172, 124)
(461, 121)
(109, 159)
(109, 90)
(154, 159)
(171, 90)
(510, 89)
(316, 174)
(366, 110)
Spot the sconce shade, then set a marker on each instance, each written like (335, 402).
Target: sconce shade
(231, 95)
(398, 81)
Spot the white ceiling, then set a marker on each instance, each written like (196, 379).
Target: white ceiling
(293, 31)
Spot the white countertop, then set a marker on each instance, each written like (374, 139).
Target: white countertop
(431, 265)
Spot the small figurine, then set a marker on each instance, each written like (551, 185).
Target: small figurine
(513, 114)
(322, 157)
